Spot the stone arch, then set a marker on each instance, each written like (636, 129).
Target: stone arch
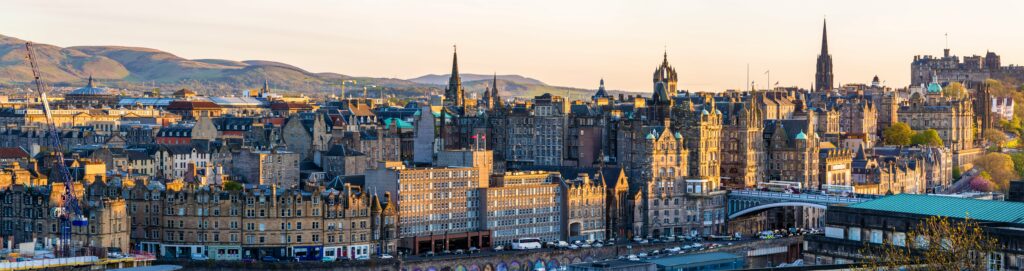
(515, 266)
(553, 264)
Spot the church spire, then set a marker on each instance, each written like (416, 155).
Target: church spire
(824, 37)
(823, 75)
(454, 95)
(455, 63)
(89, 85)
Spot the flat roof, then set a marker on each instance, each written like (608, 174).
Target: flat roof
(930, 205)
(694, 258)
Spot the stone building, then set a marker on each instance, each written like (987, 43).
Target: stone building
(952, 118)
(742, 147)
(791, 148)
(700, 124)
(583, 209)
(523, 204)
(835, 167)
(28, 207)
(341, 160)
(306, 134)
(275, 166)
(175, 220)
(585, 134)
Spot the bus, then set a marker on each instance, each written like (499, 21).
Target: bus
(526, 244)
(837, 189)
(781, 186)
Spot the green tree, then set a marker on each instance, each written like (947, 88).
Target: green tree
(956, 173)
(1018, 163)
(897, 134)
(928, 137)
(1000, 166)
(232, 186)
(954, 90)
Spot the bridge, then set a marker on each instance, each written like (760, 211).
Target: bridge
(742, 202)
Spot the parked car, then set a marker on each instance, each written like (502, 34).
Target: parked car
(562, 244)
(363, 257)
(460, 252)
(269, 259)
(633, 258)
(473, 250)
(431, 253)
(585, 245)
(197, 257)
(574, 247)
(328, 259)
(386, 256)
(499, 248)
(598, 244)
(642, 255)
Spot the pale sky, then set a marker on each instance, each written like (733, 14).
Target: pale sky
(567, 43)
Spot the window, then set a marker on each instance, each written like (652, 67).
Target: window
(876, 236)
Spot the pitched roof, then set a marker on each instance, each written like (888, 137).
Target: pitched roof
(13, 153)
(953, 207)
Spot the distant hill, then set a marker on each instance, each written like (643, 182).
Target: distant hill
(442, 79)
(139, 68)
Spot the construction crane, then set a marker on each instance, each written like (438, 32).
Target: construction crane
(69, 213)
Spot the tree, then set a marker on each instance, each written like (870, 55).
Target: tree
(1018, 163)
(956, 173)
(232, 186)
(1000, 167)
(936, 243)
(996, 136)
(928, 137)
(897, 134)
(979, 183)
(955, 90)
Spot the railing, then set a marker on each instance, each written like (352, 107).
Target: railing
(806, 195)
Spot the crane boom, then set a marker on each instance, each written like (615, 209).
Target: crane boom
(69, 213)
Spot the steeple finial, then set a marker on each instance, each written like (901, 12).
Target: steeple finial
(89, 85)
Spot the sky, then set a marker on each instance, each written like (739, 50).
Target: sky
(565, 43)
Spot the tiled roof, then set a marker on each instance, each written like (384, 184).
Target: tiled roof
(931, 205)
(13, 153)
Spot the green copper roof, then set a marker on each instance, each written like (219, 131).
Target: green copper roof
(982, 210)
(678, 135)
(801, 135)
(934, 87)
(651, 135)
(401, 123)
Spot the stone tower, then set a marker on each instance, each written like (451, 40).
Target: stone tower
(823, 76)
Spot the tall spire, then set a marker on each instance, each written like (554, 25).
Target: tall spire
(824, 37)
(455, 62)
(823, 74)
(454, 95)
(89, 85)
